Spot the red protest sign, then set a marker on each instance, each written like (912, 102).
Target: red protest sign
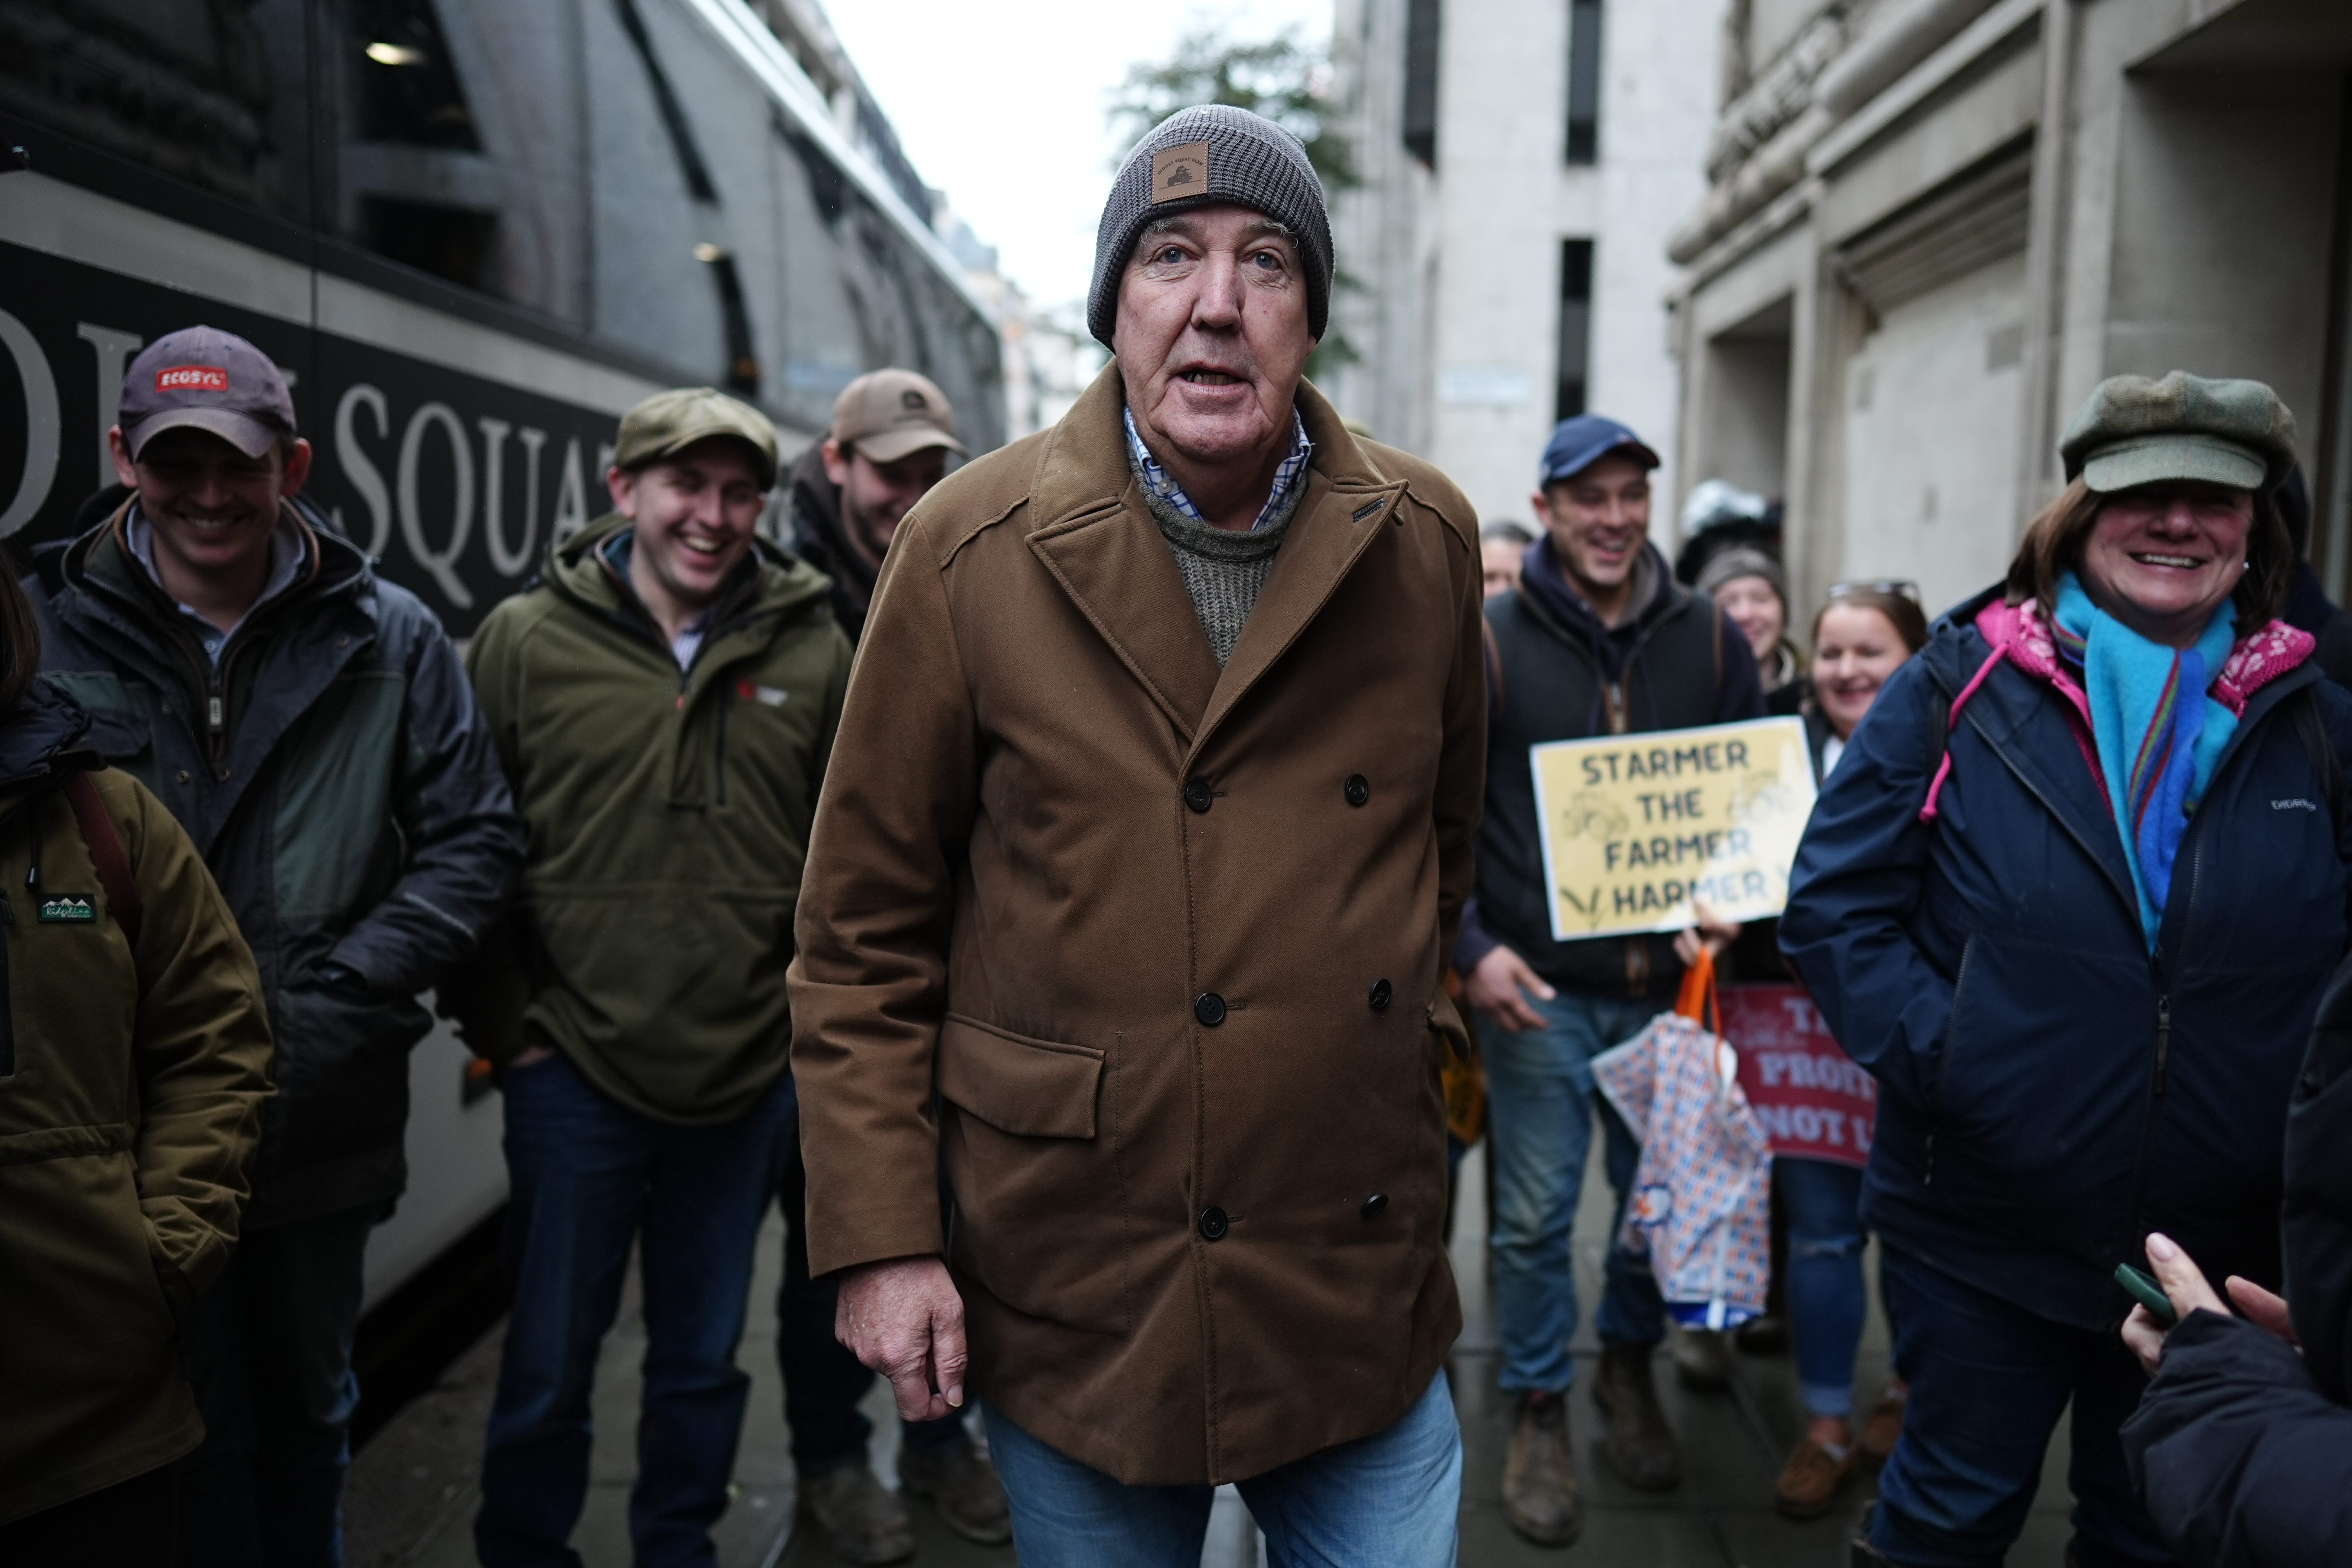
(1812, 1099)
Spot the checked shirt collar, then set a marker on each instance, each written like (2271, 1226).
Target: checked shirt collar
(1287, 477)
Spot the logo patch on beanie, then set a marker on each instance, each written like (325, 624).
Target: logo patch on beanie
(1179, 171)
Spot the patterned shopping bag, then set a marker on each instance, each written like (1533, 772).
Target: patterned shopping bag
(1702, 1202)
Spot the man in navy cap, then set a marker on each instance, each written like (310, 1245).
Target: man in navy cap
(1597, 640)
(310, 724)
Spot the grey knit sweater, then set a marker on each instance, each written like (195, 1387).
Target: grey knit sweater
(1223, 569)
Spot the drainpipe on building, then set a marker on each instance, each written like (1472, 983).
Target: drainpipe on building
(2038, 481)
(1874, 63)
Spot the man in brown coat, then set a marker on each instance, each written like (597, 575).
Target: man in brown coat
(1148, 822)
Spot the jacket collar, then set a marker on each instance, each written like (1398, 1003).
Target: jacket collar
(102, 559)
(2036, 726)
(40, 737)
(1093, 532)
(1545, 586)
(823, 537)
(770, 582)
(2032, 728)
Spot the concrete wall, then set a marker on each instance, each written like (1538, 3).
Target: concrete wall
(1459, 322)
(2056, 191)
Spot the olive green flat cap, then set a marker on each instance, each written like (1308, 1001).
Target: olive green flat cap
(668, 423)
(2134, 431)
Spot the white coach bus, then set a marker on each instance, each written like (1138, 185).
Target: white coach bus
(472, 232)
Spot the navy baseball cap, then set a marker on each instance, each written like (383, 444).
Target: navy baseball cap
(1578, 443)
(210, 380)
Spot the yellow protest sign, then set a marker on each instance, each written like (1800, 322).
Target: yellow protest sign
(1639, 828)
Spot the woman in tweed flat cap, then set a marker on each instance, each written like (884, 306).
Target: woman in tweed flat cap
(2071, 895)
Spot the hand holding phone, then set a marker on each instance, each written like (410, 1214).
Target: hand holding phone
(2147, 1293)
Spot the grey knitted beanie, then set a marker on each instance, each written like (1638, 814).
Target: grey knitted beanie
(1732, 565)
(1199, 157)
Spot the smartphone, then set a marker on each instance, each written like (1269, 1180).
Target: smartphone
(2147, 1293)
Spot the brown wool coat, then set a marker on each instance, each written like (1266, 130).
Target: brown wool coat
(1009, 901)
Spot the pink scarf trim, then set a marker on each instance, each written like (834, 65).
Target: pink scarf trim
(2018, 633)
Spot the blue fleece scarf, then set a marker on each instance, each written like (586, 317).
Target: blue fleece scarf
(2158, 730)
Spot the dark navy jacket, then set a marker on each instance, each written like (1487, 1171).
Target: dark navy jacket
(348, 801)
(2053, 1092)
(2242, 1448)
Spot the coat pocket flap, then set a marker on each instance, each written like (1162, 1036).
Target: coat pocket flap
(1032, 1089)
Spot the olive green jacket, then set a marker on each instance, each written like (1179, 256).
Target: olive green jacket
(131, 1083)
(668, 815)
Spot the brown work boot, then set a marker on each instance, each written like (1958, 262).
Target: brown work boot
(1701, 1359)
(1883, 1426)
(962, 1485)
(1641, 1446)
(1539, 1480)
(1809, 1482)
(861, 1519)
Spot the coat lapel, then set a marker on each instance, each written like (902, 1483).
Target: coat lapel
(1335, 523)
(2023, 724)
(1347, 504)
(1100, 543)
(1118, 572)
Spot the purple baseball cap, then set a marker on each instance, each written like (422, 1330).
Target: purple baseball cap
(206, 379)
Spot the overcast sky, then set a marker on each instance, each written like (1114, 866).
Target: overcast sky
(1002, 106)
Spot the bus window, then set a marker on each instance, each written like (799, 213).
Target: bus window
(213, 95)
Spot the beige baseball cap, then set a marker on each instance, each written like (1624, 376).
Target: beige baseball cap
(889, 413)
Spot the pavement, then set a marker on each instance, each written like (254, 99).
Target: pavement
(412, 1493)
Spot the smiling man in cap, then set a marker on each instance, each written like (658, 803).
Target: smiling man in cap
(663, 700)
(1146, 833)
(291, 709)
(1597, 640)
(891, 436)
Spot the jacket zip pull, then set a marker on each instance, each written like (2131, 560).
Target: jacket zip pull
(1927, 1177)
(2163, 1040)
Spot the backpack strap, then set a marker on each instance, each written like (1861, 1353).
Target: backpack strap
(106, 853)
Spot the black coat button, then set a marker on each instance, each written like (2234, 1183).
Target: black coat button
(1380, 995)
(1375, 1205)
(1198, 796)
(1209, 1009)
(1358, 789)
(1213, 1224)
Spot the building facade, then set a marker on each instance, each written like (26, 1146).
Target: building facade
(1523, 163)
(1933, 225)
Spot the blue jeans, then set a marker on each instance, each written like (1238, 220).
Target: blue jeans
(1826, 1301)
(269, 1353)
(1988, 1381)
(1390, 1501)
(589, 1178)
(822, 1381)
(1540, 1105)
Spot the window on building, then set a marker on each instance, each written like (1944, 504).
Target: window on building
(1421, 79)
(1583, 82)
(1575, 326)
